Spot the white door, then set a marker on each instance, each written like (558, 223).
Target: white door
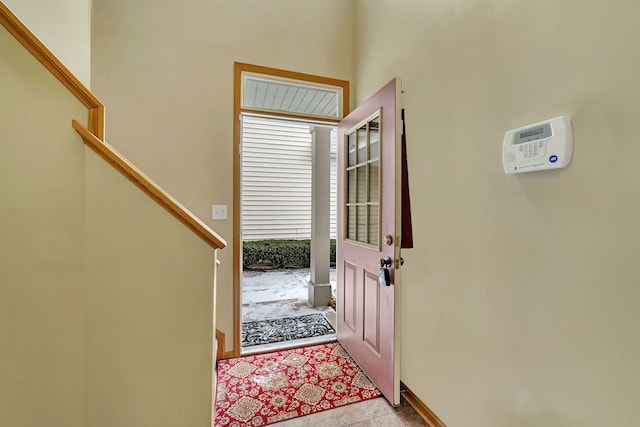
(368, 175)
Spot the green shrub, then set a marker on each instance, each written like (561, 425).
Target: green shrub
(270, 254)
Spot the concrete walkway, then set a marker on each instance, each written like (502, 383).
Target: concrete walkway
(278, 294)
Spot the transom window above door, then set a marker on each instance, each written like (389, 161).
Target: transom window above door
(362, 189)
(290, 96)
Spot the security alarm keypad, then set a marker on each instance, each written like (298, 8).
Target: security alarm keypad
(544, 145)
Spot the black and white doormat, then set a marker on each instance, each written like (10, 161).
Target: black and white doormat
(285, 329)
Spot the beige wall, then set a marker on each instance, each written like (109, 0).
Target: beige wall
(64, 26)
(519, 305)
(41, 245)
(165, 74)
(106, 301)
(149, 310)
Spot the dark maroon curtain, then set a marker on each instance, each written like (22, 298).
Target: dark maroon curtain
(407, 227)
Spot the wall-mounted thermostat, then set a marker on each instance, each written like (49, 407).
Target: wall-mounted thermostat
(544, 145)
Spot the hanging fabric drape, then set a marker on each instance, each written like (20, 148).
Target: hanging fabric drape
(407, 226)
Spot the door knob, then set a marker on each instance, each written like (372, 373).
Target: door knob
(385, 262)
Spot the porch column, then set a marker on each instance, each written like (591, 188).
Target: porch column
(319, 286)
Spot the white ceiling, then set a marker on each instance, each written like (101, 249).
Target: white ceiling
(290, 97)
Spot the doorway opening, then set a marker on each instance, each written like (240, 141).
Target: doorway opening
(282, 194)
(281, 175)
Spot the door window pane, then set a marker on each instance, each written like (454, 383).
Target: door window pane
(373, 224)
(361, 225)
(362, 144)
(351, 223)
(374, 172)
(362, 187)
(351, 187)
(362, 184)
(374, 138)
(351, 150)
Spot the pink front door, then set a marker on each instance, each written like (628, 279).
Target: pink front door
(368, 151)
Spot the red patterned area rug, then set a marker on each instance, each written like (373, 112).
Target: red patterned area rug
(268, 388)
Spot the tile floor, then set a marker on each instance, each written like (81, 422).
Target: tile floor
(276, 294)
(370, 413)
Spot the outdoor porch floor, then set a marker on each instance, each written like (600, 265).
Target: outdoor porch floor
(278, 294)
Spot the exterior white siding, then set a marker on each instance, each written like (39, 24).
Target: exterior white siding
(334, 184)
(276, 180)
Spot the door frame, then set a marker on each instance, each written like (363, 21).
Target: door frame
(239, 69)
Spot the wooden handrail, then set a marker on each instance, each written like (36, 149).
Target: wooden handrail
(136, 176)
(93, 135)
(62, 73)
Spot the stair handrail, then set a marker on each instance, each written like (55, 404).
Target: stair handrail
(146, 184)
(20, 31)
(93, 134)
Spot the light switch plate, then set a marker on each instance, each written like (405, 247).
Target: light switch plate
(219, 211)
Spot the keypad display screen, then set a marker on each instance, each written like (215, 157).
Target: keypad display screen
(532, 134)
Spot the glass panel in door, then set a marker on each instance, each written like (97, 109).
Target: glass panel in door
(362, 190)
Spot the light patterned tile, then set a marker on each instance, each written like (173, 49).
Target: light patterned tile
(408, 416)
(313, 420)
(320, 419)
(389, 420)
(366, 423)
(377, 407)
(411, 420)
(348, 414)
(370, 413)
